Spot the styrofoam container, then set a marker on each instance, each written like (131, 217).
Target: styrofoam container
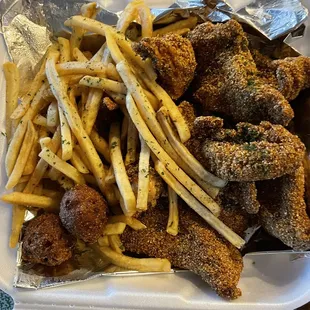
(267, 282)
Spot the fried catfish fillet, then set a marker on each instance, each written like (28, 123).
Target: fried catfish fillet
(248, 153)
(227, 79)
(283, 209)
(197, 247)
(173, 58)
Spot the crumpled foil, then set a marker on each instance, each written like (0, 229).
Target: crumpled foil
(28, 27)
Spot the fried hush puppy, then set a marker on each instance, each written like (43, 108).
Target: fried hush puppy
(173, 58)
(283, 209)
(83, 212)
(197, 247)
(251, 153)
(46, 242)
(227, 80)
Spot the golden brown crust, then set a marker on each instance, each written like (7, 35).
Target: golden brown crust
(197, 247)
(283, 209)
(174, 59)
(83, 212)
(46, 242)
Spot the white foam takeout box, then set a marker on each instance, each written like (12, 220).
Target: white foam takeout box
(268, 281)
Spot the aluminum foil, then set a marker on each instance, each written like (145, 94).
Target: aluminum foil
(29, 26)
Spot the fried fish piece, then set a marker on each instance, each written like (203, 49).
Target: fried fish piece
(228, 80)
(283, 209)
(197, 247)
(173, 58)
(249, 153)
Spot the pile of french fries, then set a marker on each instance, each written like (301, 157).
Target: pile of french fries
(52, 133)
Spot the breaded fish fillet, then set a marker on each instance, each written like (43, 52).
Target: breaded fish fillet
(283, 209)
(197, 247)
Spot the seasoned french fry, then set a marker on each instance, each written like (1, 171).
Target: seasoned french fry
(64, 46)
(146, 20)
(66, 138)
(11, 74)
(58, 88)
(129, 14)
(52, 194)
(18, 215)
(132, 144)
(190, 23)
(85, 68)
(33, 157)
(22, 157)
(116, 243)
(173, 220)
(81, 154)
(87, 10)
(101, 145)
(31, 200)
(130, 221)
(78, 55)
(163, 117)
(139, 264)
(112, 73)
(40, 120)
(120, 171)
(143, 176)
(52, 115)
(213, 221)
(91, 109)
(53, 160)
(161, 154)
(42, 165)
(103, 83)
(124, 131)
(78, 163)
(118, 98)
(24, 179)
(114, 229)
(110, 178)
(13, 150)
(38, 190)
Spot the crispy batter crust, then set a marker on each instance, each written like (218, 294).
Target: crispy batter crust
(174, 59)
(228, 80)
(46, 242)
(283, 209)
(197, 247)
(83, 212)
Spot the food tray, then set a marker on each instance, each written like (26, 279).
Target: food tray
(269, 280)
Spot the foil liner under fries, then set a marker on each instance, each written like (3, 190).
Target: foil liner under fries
(28, 27)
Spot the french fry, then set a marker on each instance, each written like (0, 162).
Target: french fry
(182, 32)
(138, 264)
(22, 157)
(213, 221)
(104, 241)
(118, 98)
(31, 200)
(130, 221)
(132, 144)
(40, 120)
(124, 131)
(13, 150)
(190, 23)
(52, 194)
(161, 154)
(103, 83)
(64, 46)
(114, 229)
(101, 145)
(163, 118)
(78, 163)
(81, 154)
(18, 215)
(78, 55)
(91, 109)
(88, 10)
(116, 243)
(110, 178)
(42, 165)
(58, 88)
(53, 160)
(146, 20)
(38, 190)
(66, 138)
(33, 157)
(11, 74)
(52, 115)
(90, 179)
(23, 179)
(84, 68)
(143, 176)
(120, 171)
(129, 14)
(112, 72)
(173, 220)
